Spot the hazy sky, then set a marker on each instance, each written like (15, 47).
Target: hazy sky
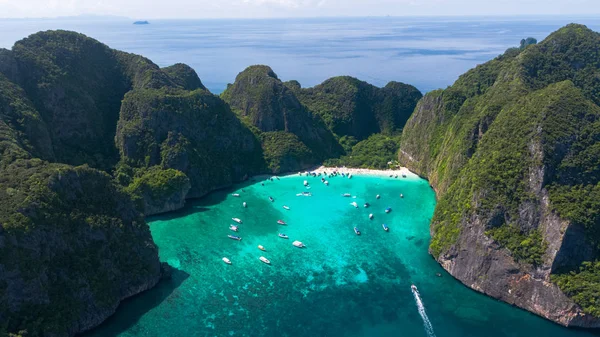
(290, 8)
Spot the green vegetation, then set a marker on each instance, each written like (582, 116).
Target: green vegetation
(528, 248)
(507, 131)
(374, 152)
(155, 186)
(284, 152)
(582, 285)
(350, 107)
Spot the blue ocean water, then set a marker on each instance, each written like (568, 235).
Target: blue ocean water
(429, 53)
(341, 284)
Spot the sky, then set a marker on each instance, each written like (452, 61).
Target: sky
(173, 9)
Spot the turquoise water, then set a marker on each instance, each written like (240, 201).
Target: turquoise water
(341, 284)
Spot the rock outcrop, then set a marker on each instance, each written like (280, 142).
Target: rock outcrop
(512, 150)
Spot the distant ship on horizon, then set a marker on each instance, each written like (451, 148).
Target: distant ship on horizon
(144, 22)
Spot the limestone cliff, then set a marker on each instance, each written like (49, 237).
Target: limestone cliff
(512, 148)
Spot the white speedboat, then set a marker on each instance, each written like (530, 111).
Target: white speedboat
(226, 260)
(236, 220)
(354, 204)
(305, 183)
(326, 183)
(261, 247)
(378, 196)
(286, 207)
(347, 195)
(281, 222)
(233, 228)
(245, 204)
(413, 287)
(389, 209)
(401, 195)
(350, 176)
(298, 244)
(283, 236)
(233, 237)
(356, 231)
(271, 198)
(235, 195)
(385, 227)
(264, 259)
(371, 216)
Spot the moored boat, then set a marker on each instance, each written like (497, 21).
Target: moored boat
(389, 209)
(226, 260)
(378, 196)
(347, 195)
(354, 204)
(234, 237)
(271, 198)
(261, 247)
(236, 220)
(305, 183)
(286, 207)
(326, 182)
(235, 195)
(245, 204)
(385, 227)
(298, 244)
(401, 195)
(281, 222)
(233, 228)
(366, 205)
(264, 259)
(283, 236)
(356, 231)
(350, 176)
(403, 175)
(371, 216)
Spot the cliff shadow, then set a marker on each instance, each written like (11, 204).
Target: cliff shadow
(132, 309)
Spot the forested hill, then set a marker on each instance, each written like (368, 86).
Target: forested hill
(93, 139)
(513, 150)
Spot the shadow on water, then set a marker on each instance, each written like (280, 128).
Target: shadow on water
(131, 310)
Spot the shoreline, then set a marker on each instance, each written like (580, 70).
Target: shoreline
(342, 169)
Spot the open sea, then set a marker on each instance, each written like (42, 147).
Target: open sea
(341, 284)
(429, 53)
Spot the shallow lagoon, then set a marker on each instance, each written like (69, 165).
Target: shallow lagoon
(341, 284)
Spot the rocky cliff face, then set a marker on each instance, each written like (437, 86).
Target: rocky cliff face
(194, 132)
(72, 247)
(510, 148)
(264, 102)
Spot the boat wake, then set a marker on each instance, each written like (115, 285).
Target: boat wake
(426, 323)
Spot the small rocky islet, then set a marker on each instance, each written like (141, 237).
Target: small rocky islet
(93, 139)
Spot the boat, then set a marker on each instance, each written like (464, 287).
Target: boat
(356, 231)
(413, 287)
(378, 196)
(366, 205)
(234, 237)
(281, 222)
(245, 204)
(233, 228)
(261, 247)
(371, 216)
(389, 209)
(298, 244)
(235, 194)
(236, 220)
(403, 175)
(305, 183)
(354, 204)
(226, 260)
(347, 195)
(286, 207)
(271, 198)
(326, 182)
(306, 194)
(401, 195)
(385, 227)
(350, 176)
(283, 236)
(264, 259)
(396, 176)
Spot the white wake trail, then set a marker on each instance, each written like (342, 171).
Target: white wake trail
(426, 323)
